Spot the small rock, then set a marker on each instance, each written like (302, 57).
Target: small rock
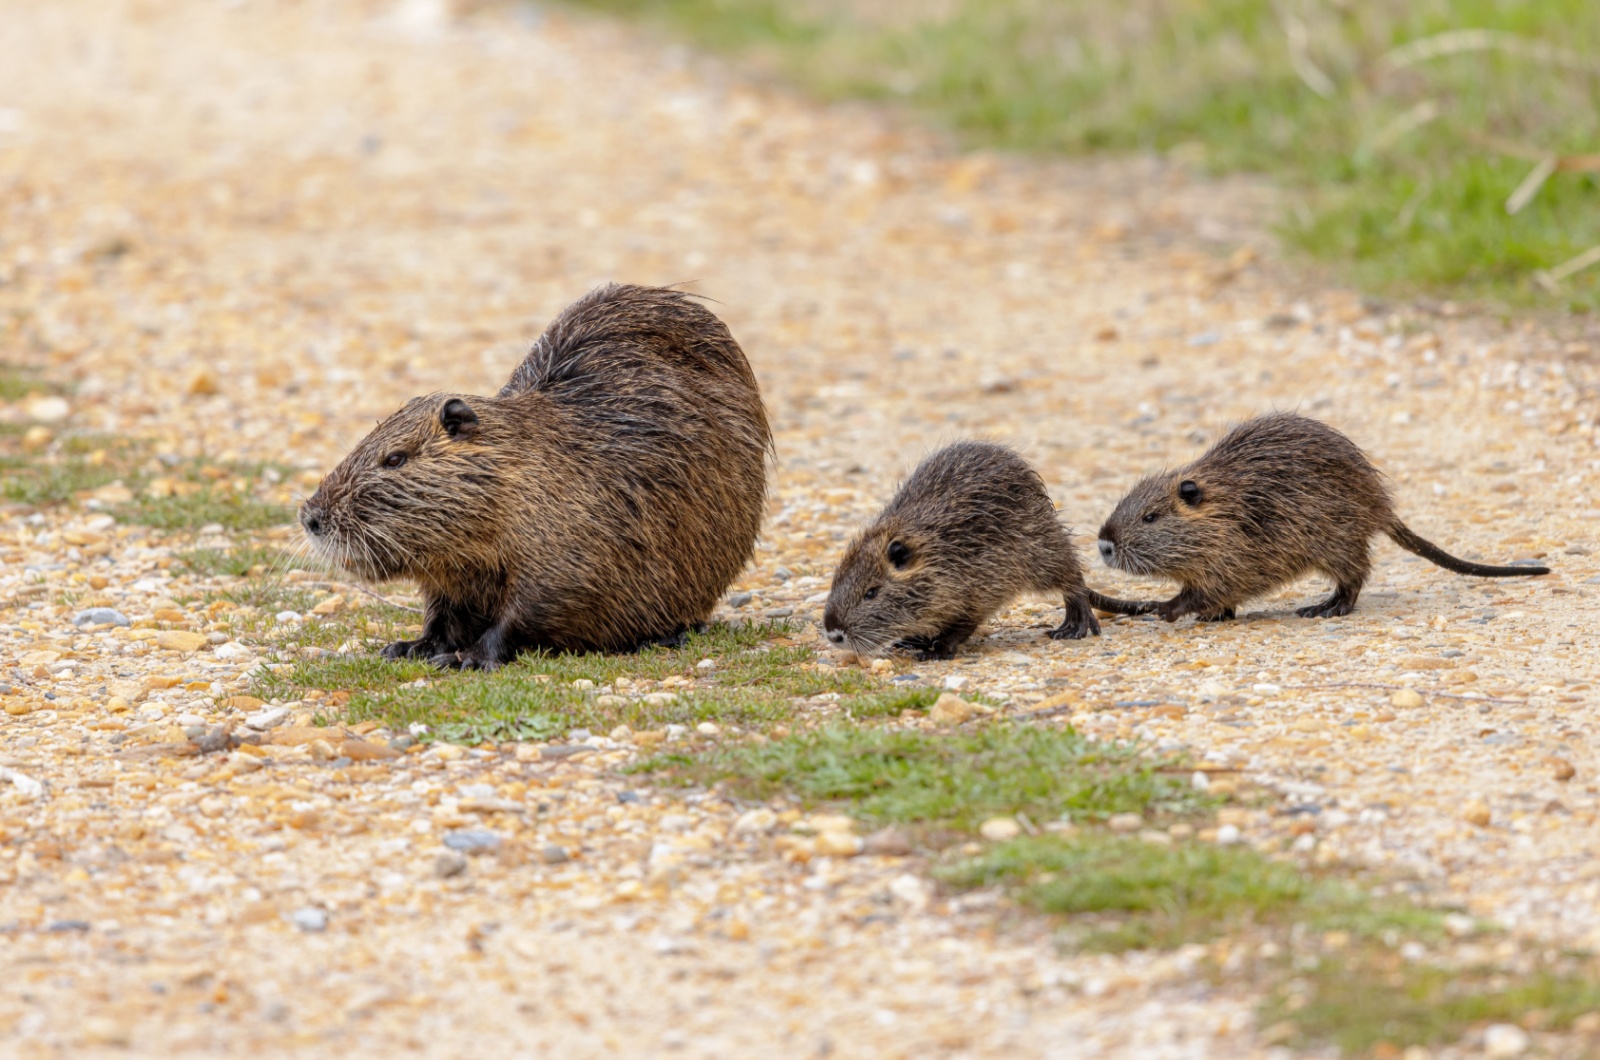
(754, 822)
(706, 728)
(553, 854)
(1228, 835)
(1505, 1040)
(1000, 829)
(583, 684)
(663, 699)
(449, 863)
(98, 616)
(951, 709)
(910, 890)
(287, 616)
(367, 751)
(473, 841)
(1406, 697)
(60, 927)
(1476, 813)
(609, 700)
(836, 844)
(231, 650)
(706, 664)
(887, 843)
(262, 720)
(1125, 822)
(739, 599)
(48, 409)
(1560, 768)
(202, 382)
(310, 918)
(955, 682)
(180, 640)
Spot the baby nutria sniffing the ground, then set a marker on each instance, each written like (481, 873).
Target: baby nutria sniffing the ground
(968, 532)
(1278, 497)
(603, 500)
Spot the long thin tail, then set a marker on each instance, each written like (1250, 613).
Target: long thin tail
(1434, 554)
(1114, 606)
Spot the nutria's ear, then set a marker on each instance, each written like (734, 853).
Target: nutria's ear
(1189, 492)
(457, 418)
(899, 554)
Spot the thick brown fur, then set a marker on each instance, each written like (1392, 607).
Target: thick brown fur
(968, 532)
(1280, 496)
(604, 499)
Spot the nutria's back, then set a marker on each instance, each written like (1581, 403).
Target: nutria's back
(607, 495)
(968, 531)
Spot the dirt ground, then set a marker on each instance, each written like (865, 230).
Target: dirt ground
(247, 230)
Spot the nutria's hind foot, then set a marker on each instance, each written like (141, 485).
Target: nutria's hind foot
(1342, 602)
(1078, 623)
(1225, 615)
(676, 639)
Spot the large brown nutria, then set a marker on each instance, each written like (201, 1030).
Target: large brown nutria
(603, 500)
(971, 529)
(1278, 497)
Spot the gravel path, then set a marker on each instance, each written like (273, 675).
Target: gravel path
(247, 230)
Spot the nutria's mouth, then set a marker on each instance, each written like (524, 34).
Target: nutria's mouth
(1124, 559)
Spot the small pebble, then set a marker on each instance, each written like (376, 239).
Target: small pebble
(1505, 1040)
(309, 918)
(552, 854)
(951, 709)
(473, 841)
(1000, 829)
(739, 599)
(1406, 697)
(449, 863)
(1125, 822)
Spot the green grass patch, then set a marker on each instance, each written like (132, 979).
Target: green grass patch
(949, 781)
(1400, 162)
(1367, 998)
(756, 681)
(18, 381)
(1132, 894)
(172, 495)
(244, 561)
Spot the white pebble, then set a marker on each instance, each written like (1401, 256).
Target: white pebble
(1505, 1040)
(1228, 835)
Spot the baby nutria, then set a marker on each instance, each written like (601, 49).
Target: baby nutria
(968, 532)
(1280, 496)
(603, 500)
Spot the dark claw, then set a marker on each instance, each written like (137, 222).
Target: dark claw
(1225, 615)
(447, 660)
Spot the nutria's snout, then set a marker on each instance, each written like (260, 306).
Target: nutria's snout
(1108, 551)
(312, 517)
(835, 636)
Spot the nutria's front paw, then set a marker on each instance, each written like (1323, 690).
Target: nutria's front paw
(449, 660)
(409, 649)
(1171, 611)
(472, 660)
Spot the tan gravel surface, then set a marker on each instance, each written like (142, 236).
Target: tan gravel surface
(317, 209)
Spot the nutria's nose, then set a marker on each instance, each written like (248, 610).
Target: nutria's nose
(1107, 550)
(835, 636)
(311, 519)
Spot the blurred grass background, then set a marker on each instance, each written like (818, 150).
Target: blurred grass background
(1401, 129)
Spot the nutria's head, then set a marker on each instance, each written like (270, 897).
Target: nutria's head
(1168, 525)
(419, 494)
(887, 589)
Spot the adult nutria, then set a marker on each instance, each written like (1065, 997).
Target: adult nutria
(1278, 497)
(967, 533)
(602, 500)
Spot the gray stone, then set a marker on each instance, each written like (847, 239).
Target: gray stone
(99, 616)
(270, 718)
(472, 841)
(449, 863)
(739, 599)
(552, 854)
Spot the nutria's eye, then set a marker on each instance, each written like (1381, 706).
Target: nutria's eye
(394, 459)
(870, 593)
(899, 554)
(1151, 517)
(1189, 493)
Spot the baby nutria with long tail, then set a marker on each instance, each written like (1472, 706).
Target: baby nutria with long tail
(970, 531)
(603, 500)
(1278, 497)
